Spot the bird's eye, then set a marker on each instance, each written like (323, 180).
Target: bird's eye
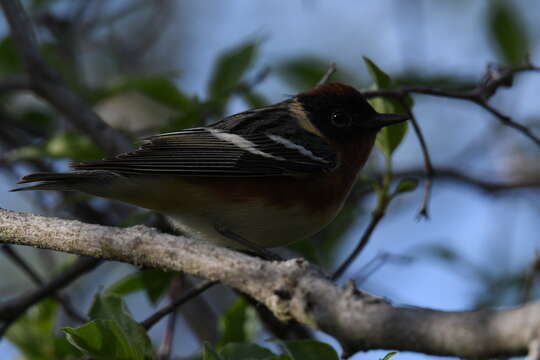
(340, 119)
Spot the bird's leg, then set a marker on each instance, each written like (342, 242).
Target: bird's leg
(259, 251)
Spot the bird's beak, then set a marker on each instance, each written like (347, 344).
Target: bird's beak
(379, 121)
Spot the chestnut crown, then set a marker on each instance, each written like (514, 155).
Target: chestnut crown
(340, 112)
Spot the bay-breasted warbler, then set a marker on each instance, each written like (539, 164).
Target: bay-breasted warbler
(270, 175)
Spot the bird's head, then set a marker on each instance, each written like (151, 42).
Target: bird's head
(341, 114)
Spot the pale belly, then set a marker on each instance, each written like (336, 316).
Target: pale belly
(256, 222)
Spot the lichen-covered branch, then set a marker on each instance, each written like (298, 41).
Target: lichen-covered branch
(292, 290)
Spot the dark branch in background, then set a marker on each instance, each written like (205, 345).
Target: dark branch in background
(62, 299)
(495, 77)
(44, 81)
(13, 82)
(195, 291)
(12, 309)
(49, 85)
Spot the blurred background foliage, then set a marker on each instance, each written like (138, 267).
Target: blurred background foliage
(156, 66)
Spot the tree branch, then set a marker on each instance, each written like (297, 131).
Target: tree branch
(36, 279)
(49, 85)
(292, 290)
(158, 315)
(484, 185)
(12, 309)
(494, 78)
(14, 83)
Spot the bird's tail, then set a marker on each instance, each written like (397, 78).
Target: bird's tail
(67, 181)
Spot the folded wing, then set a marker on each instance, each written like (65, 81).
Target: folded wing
(211, 151)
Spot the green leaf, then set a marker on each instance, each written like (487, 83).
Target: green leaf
(108, 306)
(38, 119)
(209, 353)
(154, 282)
(159, 89)
(310, 350)
(10, 62)
(389, 355)
(73, 146)
(102, 339)
(34, 334)
(508, 32)
(230, 67)
(238, 323)
(68, 145)
(236, 351)
(389, 137)
(42, 3)
(406, 185)
(381, 79)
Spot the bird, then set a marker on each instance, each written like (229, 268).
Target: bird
(262, 178)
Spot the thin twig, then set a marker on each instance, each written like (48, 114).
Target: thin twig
(157, 316)
(166, 347)
(32, 274)
(376, 263)
(48, 84)
(507, 120)
(423, 212)
(326, 77)
(376, 217)
(12, 309)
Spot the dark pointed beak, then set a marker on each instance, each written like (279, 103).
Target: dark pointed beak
(379, 121)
